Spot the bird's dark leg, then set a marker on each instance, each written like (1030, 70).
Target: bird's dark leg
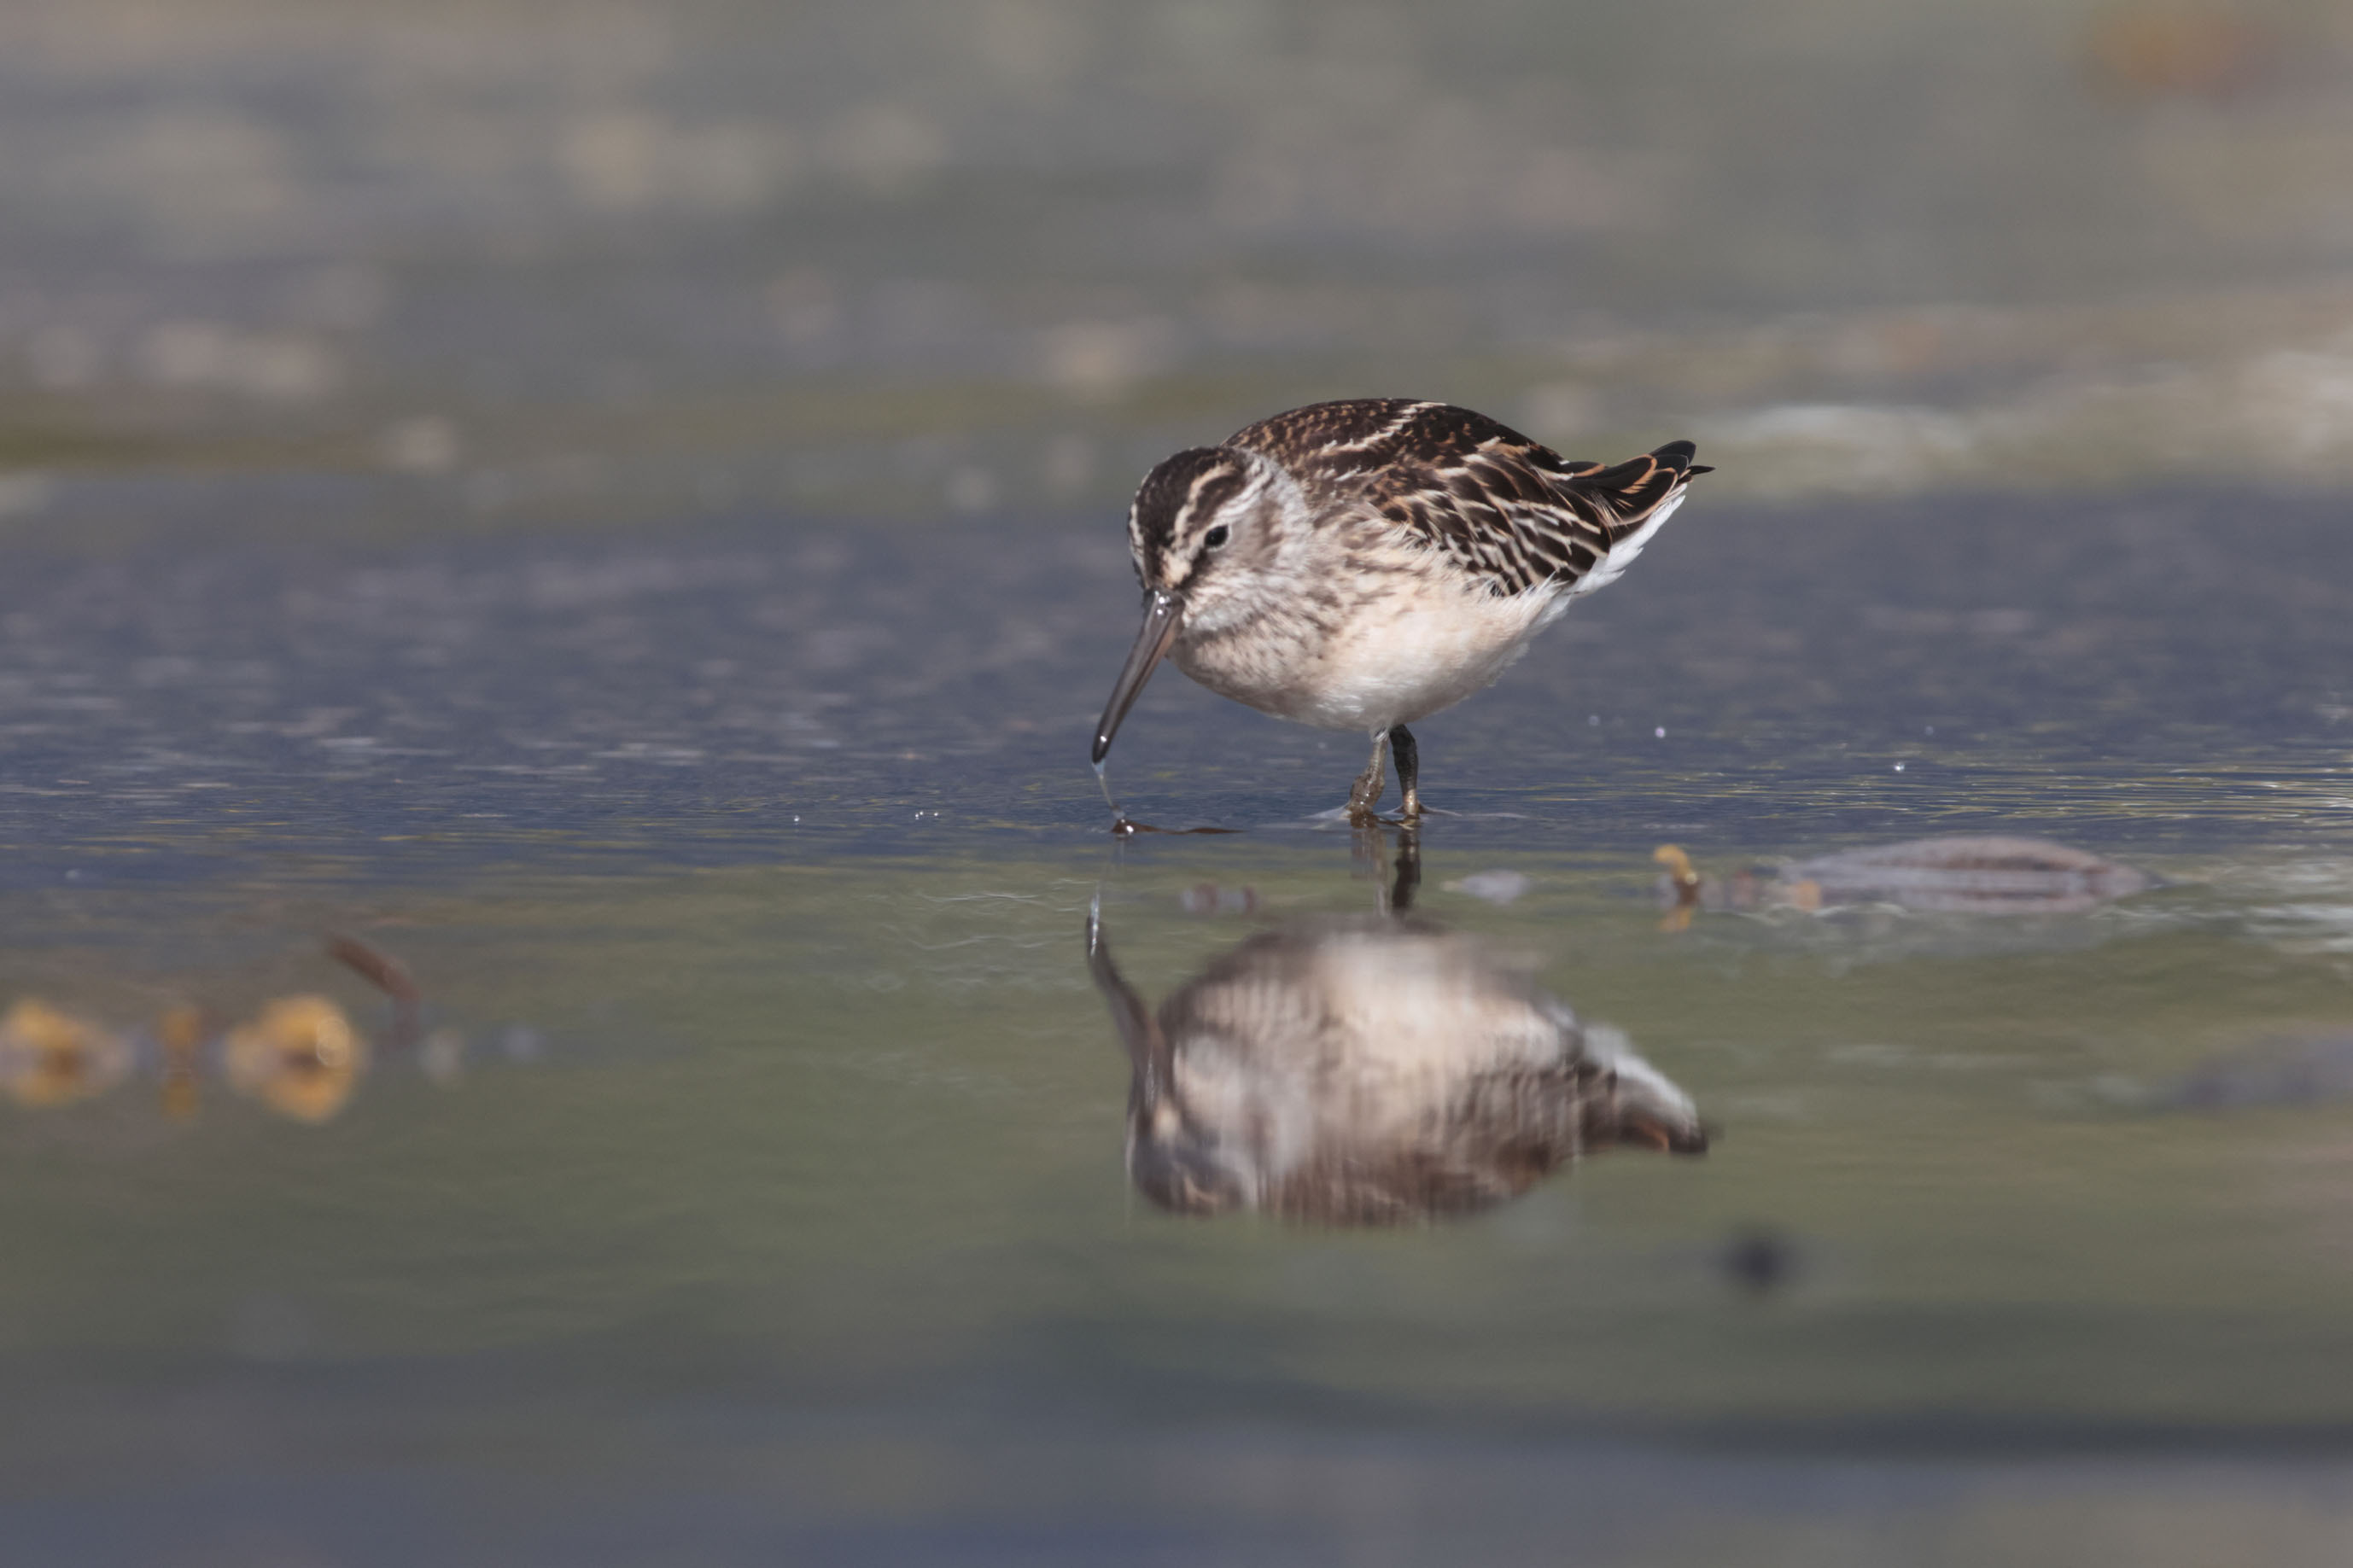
(1365, 794)
(1409, 766)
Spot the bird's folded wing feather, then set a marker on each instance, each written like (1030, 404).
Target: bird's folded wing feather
(1505, 509)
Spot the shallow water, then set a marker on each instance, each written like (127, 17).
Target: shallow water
(759, 1184)
(615, 510)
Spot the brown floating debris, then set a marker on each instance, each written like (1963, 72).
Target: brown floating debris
(1682, 887)
(1680, 875)
(374, 965)
(387, 975)
(300, 1057)
(1127, 827)
(48, 1058)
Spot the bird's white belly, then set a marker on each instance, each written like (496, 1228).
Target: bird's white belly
(1391, 661)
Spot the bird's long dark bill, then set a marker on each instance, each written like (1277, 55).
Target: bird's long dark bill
(1164, 613)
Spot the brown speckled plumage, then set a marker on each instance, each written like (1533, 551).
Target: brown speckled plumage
(1357, 565)
(1507, 509)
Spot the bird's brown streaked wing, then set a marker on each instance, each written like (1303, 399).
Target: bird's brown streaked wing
(1505, 507)
(1634, 489)
(1334, 440)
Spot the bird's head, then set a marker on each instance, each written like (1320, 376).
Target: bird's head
(1207, 526)
(1205, 531)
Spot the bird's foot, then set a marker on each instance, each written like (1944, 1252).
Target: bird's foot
(1367, 813)
(1365, 795)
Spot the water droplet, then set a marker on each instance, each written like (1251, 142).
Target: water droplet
(1660, 731)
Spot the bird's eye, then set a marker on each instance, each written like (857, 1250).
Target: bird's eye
(1216, 537)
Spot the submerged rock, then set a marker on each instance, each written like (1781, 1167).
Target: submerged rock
(2303, 1070)
(1966, 873)
(1970, 873)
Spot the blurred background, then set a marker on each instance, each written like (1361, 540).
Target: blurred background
(496, 262)
(613, 510)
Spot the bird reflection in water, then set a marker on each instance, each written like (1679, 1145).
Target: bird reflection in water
(1372, 1070)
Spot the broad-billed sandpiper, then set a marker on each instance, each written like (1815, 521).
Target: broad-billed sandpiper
(1359, 565)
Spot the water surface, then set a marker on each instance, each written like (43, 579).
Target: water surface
(616, 510)
(761, 1183)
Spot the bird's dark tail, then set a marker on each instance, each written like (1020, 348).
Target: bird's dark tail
(1637, 488)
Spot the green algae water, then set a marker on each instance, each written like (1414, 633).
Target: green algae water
(753, 1170)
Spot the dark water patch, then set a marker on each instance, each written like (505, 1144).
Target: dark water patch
(738, 693)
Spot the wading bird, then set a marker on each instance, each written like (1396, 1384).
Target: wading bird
(1359, 565)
